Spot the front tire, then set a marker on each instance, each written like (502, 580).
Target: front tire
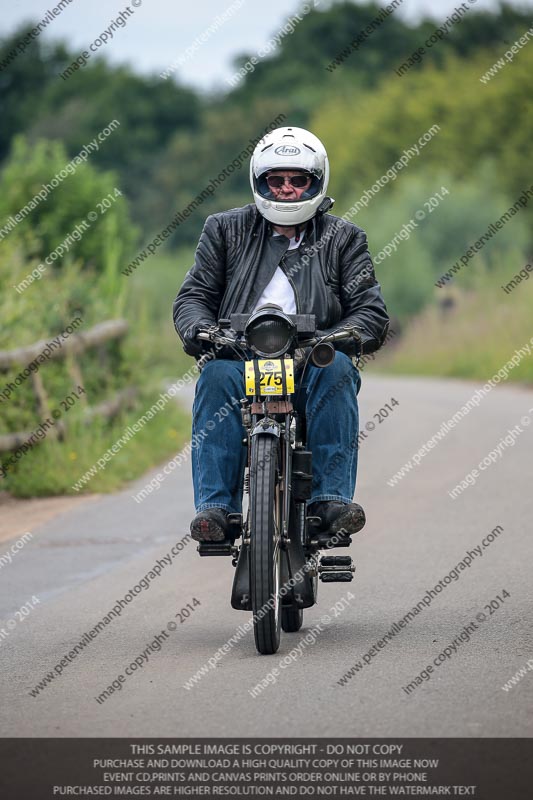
(292, 618)
(265, 539)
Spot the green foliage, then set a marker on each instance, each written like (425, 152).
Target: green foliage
(477, 335)
(302, 57)
(23, 82)
(479, 153)
(149, 358)
(65, 208)
(153, 289)
(413, 263)
(493, 28)
(38, 102)
(192, 162)
(365, 134)
(38, 304)
(150, 112)
(52, 467)
(43, 311)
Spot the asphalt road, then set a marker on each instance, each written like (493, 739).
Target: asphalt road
(79, 564)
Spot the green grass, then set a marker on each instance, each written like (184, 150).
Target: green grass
(476, 337)
(154, 287)
(52, 467)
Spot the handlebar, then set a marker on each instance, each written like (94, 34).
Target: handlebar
(215, 336)
(338, 336)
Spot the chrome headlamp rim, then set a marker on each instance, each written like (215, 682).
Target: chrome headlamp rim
(265, 312)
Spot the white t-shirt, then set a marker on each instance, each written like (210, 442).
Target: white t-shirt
(279, 290)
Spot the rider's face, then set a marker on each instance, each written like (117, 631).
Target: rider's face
(287, 191)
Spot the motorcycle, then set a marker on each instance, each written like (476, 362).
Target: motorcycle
(277, 563)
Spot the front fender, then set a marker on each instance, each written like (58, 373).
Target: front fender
(268, 426)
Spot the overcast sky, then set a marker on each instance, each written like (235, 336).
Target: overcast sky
(159, 31)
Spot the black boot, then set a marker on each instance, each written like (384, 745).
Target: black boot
(337, 518)
(210, 525)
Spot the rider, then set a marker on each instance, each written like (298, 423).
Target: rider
(287, 250)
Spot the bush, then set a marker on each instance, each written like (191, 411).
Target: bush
(444, 234)
(477, 334)
(85, 285)
(63, 209)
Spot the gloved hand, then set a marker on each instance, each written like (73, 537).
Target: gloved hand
(192, 345)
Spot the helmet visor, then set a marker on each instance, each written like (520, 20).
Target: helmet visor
(268, 186)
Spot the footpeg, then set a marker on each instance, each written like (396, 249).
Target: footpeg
(336, 561)
(333, 569)
(224, 548)
(336, 577)
(324, 541)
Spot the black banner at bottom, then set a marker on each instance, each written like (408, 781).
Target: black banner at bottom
(485, 769)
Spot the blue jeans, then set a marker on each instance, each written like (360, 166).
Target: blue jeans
(329, 398)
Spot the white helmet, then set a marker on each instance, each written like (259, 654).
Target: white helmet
(289, 148)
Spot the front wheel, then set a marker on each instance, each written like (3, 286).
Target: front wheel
(265, 536)
(292, 618)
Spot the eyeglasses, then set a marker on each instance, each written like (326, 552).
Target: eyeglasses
(297, 181)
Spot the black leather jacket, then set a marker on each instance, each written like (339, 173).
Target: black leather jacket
(333, 279)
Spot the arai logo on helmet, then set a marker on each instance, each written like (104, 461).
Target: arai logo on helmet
(287, 150)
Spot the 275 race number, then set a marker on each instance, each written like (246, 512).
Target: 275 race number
(267, 376)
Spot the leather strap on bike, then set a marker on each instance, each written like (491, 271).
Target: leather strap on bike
(257, 373)
(283, 377)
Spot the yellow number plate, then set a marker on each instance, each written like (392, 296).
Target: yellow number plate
(264, 376)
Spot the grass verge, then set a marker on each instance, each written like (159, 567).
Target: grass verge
(475, 336)
(53, 467)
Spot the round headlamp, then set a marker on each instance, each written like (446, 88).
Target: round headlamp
(269, 332)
